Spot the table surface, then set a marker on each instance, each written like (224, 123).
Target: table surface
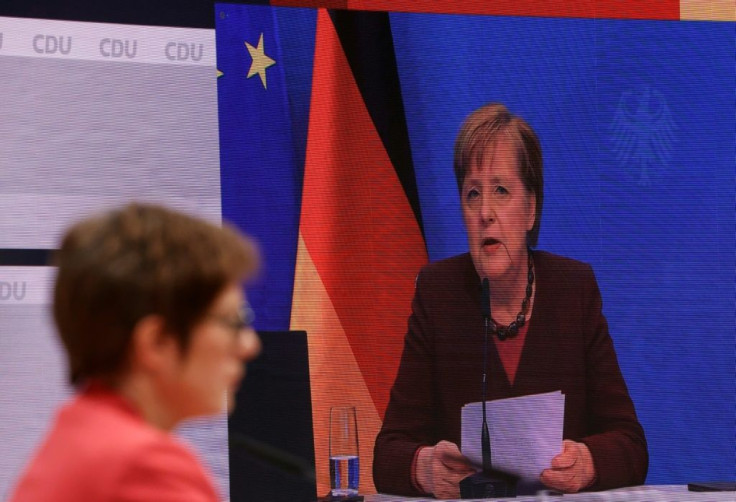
(645, 493)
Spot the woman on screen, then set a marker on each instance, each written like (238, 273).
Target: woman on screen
(549, 334)
(149, 307)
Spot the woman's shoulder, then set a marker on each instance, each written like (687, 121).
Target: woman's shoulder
(555, 265)
(140, 457)
(453, 264)
(96, 411)
(107, 428)
(449, 270)
(165, 470)
(99, 444)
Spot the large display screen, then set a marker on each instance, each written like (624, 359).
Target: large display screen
(345, 123)
(328, 136)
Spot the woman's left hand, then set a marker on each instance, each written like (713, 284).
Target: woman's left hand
(570, 471)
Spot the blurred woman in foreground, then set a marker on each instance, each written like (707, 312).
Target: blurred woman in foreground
(149, 306)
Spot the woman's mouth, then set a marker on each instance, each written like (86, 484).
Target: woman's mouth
(490, 244)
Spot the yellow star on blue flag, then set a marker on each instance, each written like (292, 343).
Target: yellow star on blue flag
(260, 61)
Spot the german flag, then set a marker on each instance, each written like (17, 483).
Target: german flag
(360, 239)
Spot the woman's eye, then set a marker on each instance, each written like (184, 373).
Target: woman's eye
(472, 194)
(501, 190)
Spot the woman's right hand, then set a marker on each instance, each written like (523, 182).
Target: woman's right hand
(440, 468)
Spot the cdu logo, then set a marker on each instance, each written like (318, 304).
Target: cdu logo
(49, 44)
(12, 291)
(116, 48)
(183, 52)
(642, 132)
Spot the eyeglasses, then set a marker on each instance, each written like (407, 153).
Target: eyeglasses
(245, 319)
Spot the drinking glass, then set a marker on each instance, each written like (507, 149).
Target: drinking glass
(344, 463)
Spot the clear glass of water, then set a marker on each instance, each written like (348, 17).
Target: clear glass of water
(344, 463)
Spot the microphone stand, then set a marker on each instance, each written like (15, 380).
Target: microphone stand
(488, 482)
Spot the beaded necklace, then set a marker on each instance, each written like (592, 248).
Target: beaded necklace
(510, 331)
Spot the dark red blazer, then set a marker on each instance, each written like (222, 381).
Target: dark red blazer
(567, 348)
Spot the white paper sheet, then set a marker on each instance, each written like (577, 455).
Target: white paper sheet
(526, 432)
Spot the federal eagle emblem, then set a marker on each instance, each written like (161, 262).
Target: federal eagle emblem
(643, 132)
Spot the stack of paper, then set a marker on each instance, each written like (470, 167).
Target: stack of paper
(526, 433)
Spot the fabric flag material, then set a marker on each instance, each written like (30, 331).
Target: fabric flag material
(360, 248)
(258, 151)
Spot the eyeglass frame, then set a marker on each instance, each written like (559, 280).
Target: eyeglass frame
(245, 320)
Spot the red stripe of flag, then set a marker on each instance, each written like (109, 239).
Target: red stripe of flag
(356, 221)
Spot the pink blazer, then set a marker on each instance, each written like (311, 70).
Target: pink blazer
(100, 449)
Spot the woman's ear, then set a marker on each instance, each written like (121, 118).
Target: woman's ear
(153, 348)
(532, 211)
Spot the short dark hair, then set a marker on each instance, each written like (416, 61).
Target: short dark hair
(116, 268)
(479, 132)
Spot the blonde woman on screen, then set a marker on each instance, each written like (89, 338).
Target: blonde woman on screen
(548, 334)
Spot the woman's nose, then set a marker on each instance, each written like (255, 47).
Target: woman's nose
(487, 210)
(249, 344)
